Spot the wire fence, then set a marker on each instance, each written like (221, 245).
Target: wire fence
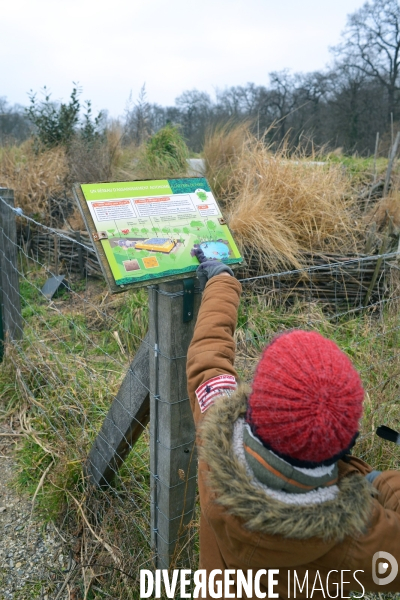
(94, 385)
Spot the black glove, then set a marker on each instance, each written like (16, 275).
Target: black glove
(208, 267)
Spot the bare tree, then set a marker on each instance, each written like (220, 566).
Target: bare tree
(371, 44)
(229, 102)
(138, 118)
(281, 98)
(14, 126)
(194, 107)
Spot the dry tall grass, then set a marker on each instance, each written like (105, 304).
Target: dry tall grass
(280, 205)
(222, 148)
(34, 177)
(98, 161)
(384, 208)
(42, 180)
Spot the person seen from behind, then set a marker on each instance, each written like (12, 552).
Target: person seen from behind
(278, 486)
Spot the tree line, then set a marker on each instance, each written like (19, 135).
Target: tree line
(344, 105)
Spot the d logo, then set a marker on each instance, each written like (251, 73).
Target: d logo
(383, 568)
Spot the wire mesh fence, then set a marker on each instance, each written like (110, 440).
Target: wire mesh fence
(85, 371)
(68, 365)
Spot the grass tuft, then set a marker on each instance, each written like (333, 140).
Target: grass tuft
(164, 155)
(34, 177)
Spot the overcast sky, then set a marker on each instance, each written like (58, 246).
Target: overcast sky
(111, 48)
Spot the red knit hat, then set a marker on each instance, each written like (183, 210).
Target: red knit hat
(306, 399)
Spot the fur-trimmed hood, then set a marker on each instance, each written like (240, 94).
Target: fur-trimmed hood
(347, 514)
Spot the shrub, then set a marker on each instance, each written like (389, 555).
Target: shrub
(165, 155)
(57, 124)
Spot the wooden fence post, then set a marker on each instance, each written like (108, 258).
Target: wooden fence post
(173, 461)
(10, 301)
(125, 421)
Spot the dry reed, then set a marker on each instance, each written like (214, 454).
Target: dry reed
(222, 148)
(385, 208)
(280, 205)
(42, 180)
(96, 161)
(34, 177)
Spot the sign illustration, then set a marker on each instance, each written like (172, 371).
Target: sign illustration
(148, 228)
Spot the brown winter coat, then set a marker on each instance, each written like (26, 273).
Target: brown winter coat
(241, 527)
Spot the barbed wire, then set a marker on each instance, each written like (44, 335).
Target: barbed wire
(19, 213)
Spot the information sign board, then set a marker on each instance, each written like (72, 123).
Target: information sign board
(144, 231)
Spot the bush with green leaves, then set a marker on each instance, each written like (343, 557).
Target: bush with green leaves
(57, 124)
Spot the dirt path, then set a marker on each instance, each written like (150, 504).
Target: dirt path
(31, 561)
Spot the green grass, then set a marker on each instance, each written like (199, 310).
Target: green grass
(360, 169)
(60, 380)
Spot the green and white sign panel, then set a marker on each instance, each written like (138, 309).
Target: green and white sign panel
(148, 228)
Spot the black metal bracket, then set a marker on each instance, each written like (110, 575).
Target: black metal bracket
(54, 285)
(188, 299)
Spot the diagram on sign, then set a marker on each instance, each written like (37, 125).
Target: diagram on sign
(148, 228)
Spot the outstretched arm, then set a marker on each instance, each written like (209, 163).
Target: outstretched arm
(212, 350)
